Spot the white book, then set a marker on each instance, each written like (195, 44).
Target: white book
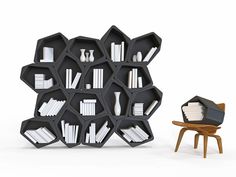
(67, 78)
(48, 83)
(70, 78)
(70, 132)
(48, 54)
(73, 134)
(30, 137)
(89, 100)
(150, 53)
(101, 78)
(99, 137)
(127, 137)
(63, 128)
(193, 108)
(92, 133)
(135, 78)
(142, 132)
(93, 109)
(128, 133)
(101, 130)
(42, 107)
(112, 51)
(150, 108)
(36, 136)
(50, 111)
(85, 109)
(130, 80)
(55, 108)
(81, 107)
(122, 51)
(49, 133)
(104, 134)
(43, 135)
(76, 133)
(76, 80)
(60, 106)
(47, 107)
(89, 108)
(94, 79)
(87, 138)
(194, 104)
(67, 132)
(117, 53)
(137, 136)
(140, 82)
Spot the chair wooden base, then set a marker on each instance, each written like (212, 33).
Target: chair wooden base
(202, 129)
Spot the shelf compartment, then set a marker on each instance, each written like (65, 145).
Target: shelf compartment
(108, 71)
(57, 41)
(144, 125)
(33, 124)
(86, 43)
(57, 94)
(123, 75)
(28, 75)
(143, 44)
(110, 99)
(146, 96)
(71, 117)
(115, 35)
(99, 121)
(80, 96)
(68, 62)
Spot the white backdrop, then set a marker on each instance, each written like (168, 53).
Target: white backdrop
(196, 58)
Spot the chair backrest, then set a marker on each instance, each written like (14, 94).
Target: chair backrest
(221, 106)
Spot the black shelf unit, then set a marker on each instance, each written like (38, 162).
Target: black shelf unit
(67, 56)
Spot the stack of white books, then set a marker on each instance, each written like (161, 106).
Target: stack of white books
(133, 80)
(69, 132)
(51, 108)
(41, 135)
(151, 107)
(71, 84)
(194, 111)
(47, 54)
(150, 54)
(97, 78)
(41, 83)
(93, 137)
(87, 107)
(117, 52)
(135, 134)
(138, 109)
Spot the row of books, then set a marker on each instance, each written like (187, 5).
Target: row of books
(70, 83)
(97, 78)
(69, 132)
(41, 83)
(133, 80)
(51, 108)
(48, 54)
(135, 134)
(87, 107)
(40, 135)
(194, 111)
(93, 137)
(117, 52)
(138, 109)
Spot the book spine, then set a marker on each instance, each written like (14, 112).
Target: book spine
(76, 133)
(151, 107)
(130, 80)
(92, 132)
(135, 77)
(112, 51)
(102, 78)
(122, 51)
(104, 134)
(76, 81)
(87, 138)
(63, 128)
(30, 137)
(150, 53)
(140, 82)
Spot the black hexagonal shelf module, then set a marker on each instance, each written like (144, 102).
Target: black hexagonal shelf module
(67, 61)
(28, 75)
(88, 44)
(115, 79)
(56, 41)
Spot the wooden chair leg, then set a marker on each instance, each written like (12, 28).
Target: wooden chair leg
(181, 133)
(219, 142)
(196, 139)
(205, 145)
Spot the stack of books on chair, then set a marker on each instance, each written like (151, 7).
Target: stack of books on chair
(151, 107)
(87, 107)
(133, 80)
(135, 134)
(41, 83)
(69, 132)
(138, 109)
(41, 135)
(51, 108)
(97, 78)
(117, 52)
(71, 84)
(47, 54)
(194, 111)
(93, 137)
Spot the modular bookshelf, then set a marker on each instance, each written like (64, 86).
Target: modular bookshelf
(67, 54)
